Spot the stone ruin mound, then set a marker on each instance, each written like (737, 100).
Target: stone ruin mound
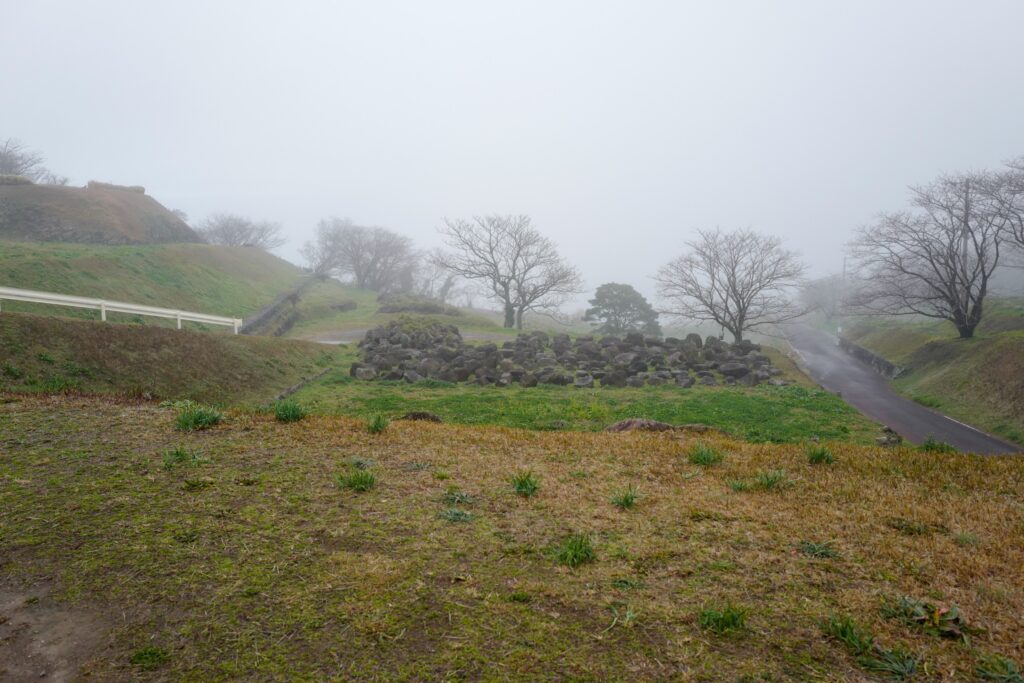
(411, 350)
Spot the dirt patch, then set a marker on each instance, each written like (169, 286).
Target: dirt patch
(41, 639)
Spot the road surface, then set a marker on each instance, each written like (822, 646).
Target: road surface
(870, 393)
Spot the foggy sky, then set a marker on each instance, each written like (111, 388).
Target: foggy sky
(619, 127)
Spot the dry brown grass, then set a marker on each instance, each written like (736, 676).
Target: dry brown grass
(375, 586)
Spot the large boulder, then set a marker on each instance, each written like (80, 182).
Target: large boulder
(733, 369)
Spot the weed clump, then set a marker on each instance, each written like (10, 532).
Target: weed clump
(702, 454)
(764, 481)
(456, 515)
(627, 498)
(525, 483)
(377, 424)
(181, 456)
(722, 619)
(820, 455)
(855, 638)
(194, 417)
(357, 480)
(575, 550)
(932, 445)
(823, 549)
(453, 496)
(896, 663)
(999, 668)
(289, 411)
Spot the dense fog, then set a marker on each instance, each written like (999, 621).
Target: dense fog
(620, 128)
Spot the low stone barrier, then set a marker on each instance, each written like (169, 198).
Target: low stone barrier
(880, 365)
(412, 350)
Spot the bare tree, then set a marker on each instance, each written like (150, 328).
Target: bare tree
(1005, 191)
(739, 280)
(375, 258)
(232, 230)
(934, 260)
(17, 159)
(518, 267)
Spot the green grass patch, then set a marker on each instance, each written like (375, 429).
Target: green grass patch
(357, 480)
(820, 455)
(626, 498)
(1000, 669)
(722, 619)
(702, 454)
(931, 445)
(526, 483)
(762, 414)
(377, 424)
(456, 515)
(150, 658)
(192, 418)
(289, 411)
(576, 550)
(823, 549)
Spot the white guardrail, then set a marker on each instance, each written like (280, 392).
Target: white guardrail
(104, 307)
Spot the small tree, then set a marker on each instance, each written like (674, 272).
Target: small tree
(937, 259)
(232, 230)
(617, 309)
(374, 258)
(515, 265)
(739, 280)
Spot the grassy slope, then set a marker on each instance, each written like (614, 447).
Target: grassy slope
(40, 353)
(980, 380)
(253, 564)
(761, 414)
(230, 281)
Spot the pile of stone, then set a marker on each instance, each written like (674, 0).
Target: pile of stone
(411, 351)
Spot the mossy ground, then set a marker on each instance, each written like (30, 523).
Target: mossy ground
(251, 563)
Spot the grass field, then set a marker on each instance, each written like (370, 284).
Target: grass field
(245, 559)
(979, 380)
(777, 414)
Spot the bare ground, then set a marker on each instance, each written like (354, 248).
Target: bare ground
(42, 639)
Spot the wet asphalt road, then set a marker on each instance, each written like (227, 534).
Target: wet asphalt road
(870, 393)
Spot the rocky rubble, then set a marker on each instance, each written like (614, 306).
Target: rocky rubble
(411, 350)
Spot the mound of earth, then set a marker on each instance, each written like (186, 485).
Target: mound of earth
(99, 214)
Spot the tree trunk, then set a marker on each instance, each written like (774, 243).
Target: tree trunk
(519, 319)
(737, 337)
(966, 331)
(510, 315)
